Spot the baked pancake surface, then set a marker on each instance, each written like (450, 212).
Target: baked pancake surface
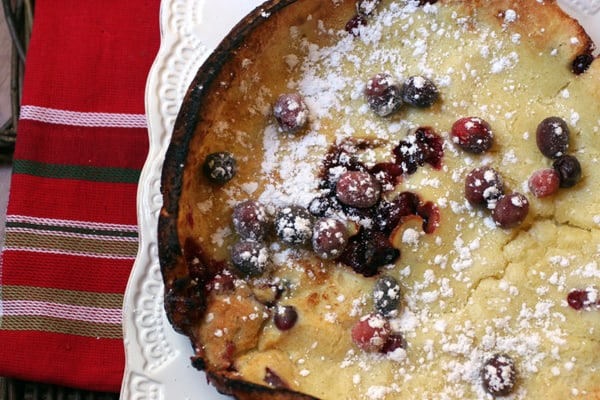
(477, 303)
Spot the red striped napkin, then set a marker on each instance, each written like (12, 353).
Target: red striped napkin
(71, 231)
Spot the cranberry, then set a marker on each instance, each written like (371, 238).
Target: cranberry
(387, 174)
(330, 238)
(290, 112)
(579, 299)
(220, 167)
(355, 23)
(371, 332)
(424, 147)
(472, 134)
(367, 251)
(552, 137)
(337, 160)
(384, 96)
(324, 206)
(387, 215)
(250, 258)
(484, 186)
(408, 202)
(273, 379)
(511, 210)
(285, 317)
(499, 375)
(367, 7)
(419, 91)
(544, 182)
(221, 283)
(251, 220)
(430, 213)
(581, 63)
(358, 189)
(568, 169)
(395, 341)
(386, 296)
(294, 225)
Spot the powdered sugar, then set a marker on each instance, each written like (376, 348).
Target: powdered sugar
(460, 306)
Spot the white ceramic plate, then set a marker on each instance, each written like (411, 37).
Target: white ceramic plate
(158, 365)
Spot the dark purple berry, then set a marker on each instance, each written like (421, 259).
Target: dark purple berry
(358, 189)
(324, 206)
(251, 220)
(273, 379)
(291, 112)
(330, 238)
(355, 23)
(388, 213)
(366, 7)
(294, 225)
(430, 212)
(423, 147)
(568, 169)
(511, 210)
(219, 167)
(499, 375)
(386, 296)
(285, 317)
(581, 63)
(552, 137)
(250, 258)
(544, 182)
(579, 299)
(419, 91)
(368, 251)
(384, 96)
(394, 341)
(472, 134)
(387, 174)
(483, 186)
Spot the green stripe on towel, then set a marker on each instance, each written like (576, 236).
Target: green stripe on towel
(62, 171)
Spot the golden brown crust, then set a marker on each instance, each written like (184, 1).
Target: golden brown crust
(184, 304)
(188, 271)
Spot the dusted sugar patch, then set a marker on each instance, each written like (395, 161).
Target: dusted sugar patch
(390, 199)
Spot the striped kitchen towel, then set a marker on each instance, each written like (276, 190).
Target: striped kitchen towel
(71, 230)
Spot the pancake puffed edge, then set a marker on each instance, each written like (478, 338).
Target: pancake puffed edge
(183, 303)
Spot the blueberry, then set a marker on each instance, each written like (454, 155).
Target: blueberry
(568, 169)
(419, 91)
(386, 296)
(220, 167)
(294, 225)
(250, 258)
(581, 63)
